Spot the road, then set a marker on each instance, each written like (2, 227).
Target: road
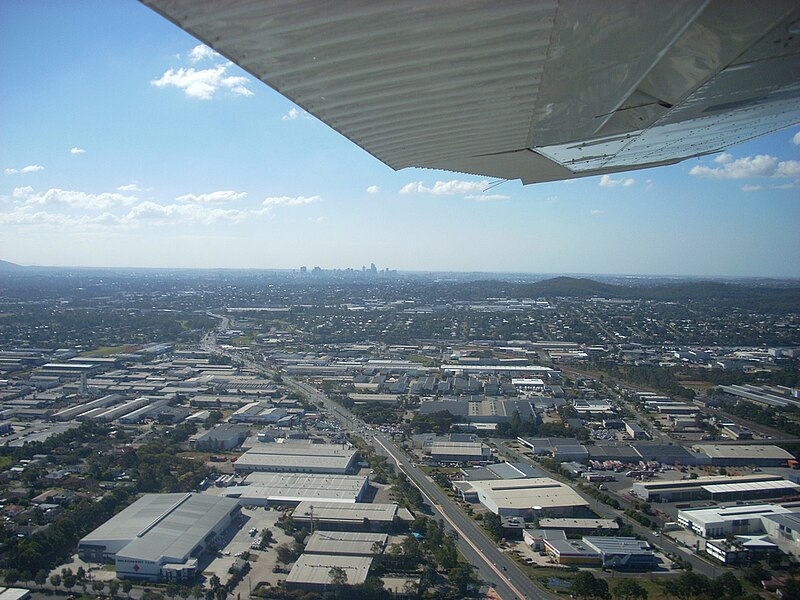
(699, 565)
(493, 566)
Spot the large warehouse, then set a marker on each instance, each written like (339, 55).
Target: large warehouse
(352, 517)
(311, 458)
(720, 488)
(749, 455)
(160, 536)
(733, 520)
(264, 489)
(528, 497)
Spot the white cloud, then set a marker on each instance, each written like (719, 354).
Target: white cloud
(161, 214)
(130, 187)
(486, 197)
(788, 168)
(22, 192)
(454, 186)
(373, 189)
(294, 113)
(796, 139)
(760, 165)
(28, 169)
(76, 150)
(213, 197)
(202, 51)
(597, 211)
(290, 201)
(751, 188)
(607, 181)
(75, 199)
(23, 216)
(203, 83)
(320, 219)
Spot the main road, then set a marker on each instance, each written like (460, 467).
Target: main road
(493, 566)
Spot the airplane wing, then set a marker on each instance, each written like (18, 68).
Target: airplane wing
(538, 90)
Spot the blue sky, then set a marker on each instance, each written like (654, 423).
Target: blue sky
(123, 143)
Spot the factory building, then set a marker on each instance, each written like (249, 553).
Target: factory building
(527, 498)
(330, 516)
(733, 520)
(350, 543)
(572, 553)
(746, 455)
(224, 436)
(460, 452)
(622, 553)
(720, 488)
(265, 489)
(312, 572)
(160, 536)
(311, 458)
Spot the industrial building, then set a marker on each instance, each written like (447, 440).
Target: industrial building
(160, 536)
(460, 452)
(578, 525)
(734, 520)
(528, 497)
(572, 553)
(635, 431)
(351, 543)
(331, 516)
(721, 488)
(311, 572)
(265, 489)
(622, 553)
(225, 436)
(560, 449)
(310, 458)
(784, 530)
(745, 455)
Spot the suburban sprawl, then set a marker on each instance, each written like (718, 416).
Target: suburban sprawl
(363, 433)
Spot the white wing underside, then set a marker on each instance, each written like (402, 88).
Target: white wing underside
(538, 90)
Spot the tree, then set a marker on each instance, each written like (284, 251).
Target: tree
(55, 580)
(338, 576)
(41, 577)
(172, 590)
(113, 588)
(629, 589)
(127, 586)
(730, 584)
(791, 591)
(462, 577)
(755, 574)
(493, 525)
(586, 585)
(284, 553)
(12, 576)
(98, 586)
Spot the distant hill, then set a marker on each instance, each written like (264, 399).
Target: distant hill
(9, 266)
(760, 297)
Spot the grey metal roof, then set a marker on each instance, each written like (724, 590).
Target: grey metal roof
(315, 568)
(345, 542)
(164, 526)
(330, 511)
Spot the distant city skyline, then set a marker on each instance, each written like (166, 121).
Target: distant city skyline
(124, 142)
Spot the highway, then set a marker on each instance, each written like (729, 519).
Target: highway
(493, 566)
